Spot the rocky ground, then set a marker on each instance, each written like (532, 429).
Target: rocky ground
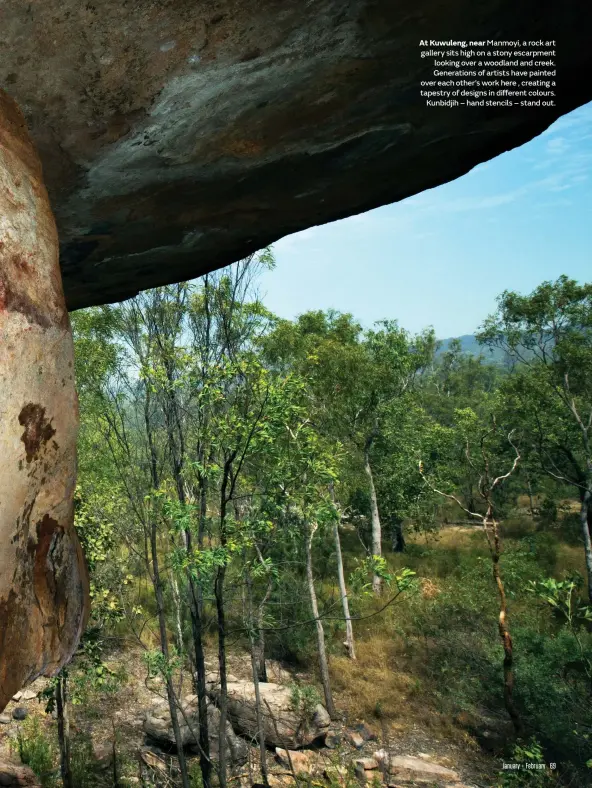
(342, 752)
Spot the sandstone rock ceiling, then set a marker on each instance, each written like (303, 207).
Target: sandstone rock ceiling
(180, 135)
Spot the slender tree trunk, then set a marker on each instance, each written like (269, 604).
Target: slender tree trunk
(585, 522)
(504, 631)
(323, 663)
(530, 498)
(61, 696)
(255, 667)
(349, 631)
(487, 485)
(177, 601)
(260, 644)
(376, 528)
(196, 608)
(116, 780)
(470, 496)
(196, 612)
(221, 622)
(164, 646)
(398, 537)
(159, 597)
(223, 702)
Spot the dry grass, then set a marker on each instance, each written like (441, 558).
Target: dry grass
(384, 683)
(372, 686)
(570, 558)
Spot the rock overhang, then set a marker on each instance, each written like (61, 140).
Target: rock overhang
(177, 137)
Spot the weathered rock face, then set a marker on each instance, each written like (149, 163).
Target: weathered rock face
(13, 776)
(179, 136)
(283, 725)
(418, 771)
(158, 726)
(43, 581)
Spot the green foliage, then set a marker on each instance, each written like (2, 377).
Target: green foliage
(38, 750)
(360, 580)
(85, 771)
(533, 769)
(158, 665)
(548, 336)
(304, 699)
(217, 439)
(562, 598)
(548, 511)
(195, 779)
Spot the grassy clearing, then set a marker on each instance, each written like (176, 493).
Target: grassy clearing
(433, 659)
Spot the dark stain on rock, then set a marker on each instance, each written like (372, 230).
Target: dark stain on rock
(25, 520)
(21, 264)
(11, 300)
(252, 54)
(38, 430)
(49, 535)
(12, 672)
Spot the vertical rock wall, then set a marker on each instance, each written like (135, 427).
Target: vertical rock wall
(43, 577)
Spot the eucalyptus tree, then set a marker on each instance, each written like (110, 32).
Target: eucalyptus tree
(201, 372)
(408, 434)
(483, 451)
(174, 395)
(458, 380)
(356, 377)
(301, 471)
(548, 336)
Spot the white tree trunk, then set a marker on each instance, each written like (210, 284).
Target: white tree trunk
(349, 632)
(584, 521)
(376, 528)
(323, 663)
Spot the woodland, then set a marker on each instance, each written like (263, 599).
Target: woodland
(395, 531)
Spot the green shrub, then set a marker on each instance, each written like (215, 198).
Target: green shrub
(304, 699)
(533, 772)
(548, 511)
(195, 779)
(83, 763)
(37, 750)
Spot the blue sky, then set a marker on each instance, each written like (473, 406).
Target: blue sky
(441, 257)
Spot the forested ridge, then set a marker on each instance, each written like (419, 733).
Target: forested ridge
(393, 532)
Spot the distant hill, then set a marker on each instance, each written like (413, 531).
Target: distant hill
(469, 344)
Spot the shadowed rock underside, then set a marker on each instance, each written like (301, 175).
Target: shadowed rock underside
(177, 137)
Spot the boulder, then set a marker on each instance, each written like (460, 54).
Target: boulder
(304, 762)
(366, 732)
(365, 768)
(492, 732)
(43, 576)
(412, 769)
(332, 739)
(283, 726)
(158, 727)
(13, 776)
(355, 739)
(152, 760)
(281, 781)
